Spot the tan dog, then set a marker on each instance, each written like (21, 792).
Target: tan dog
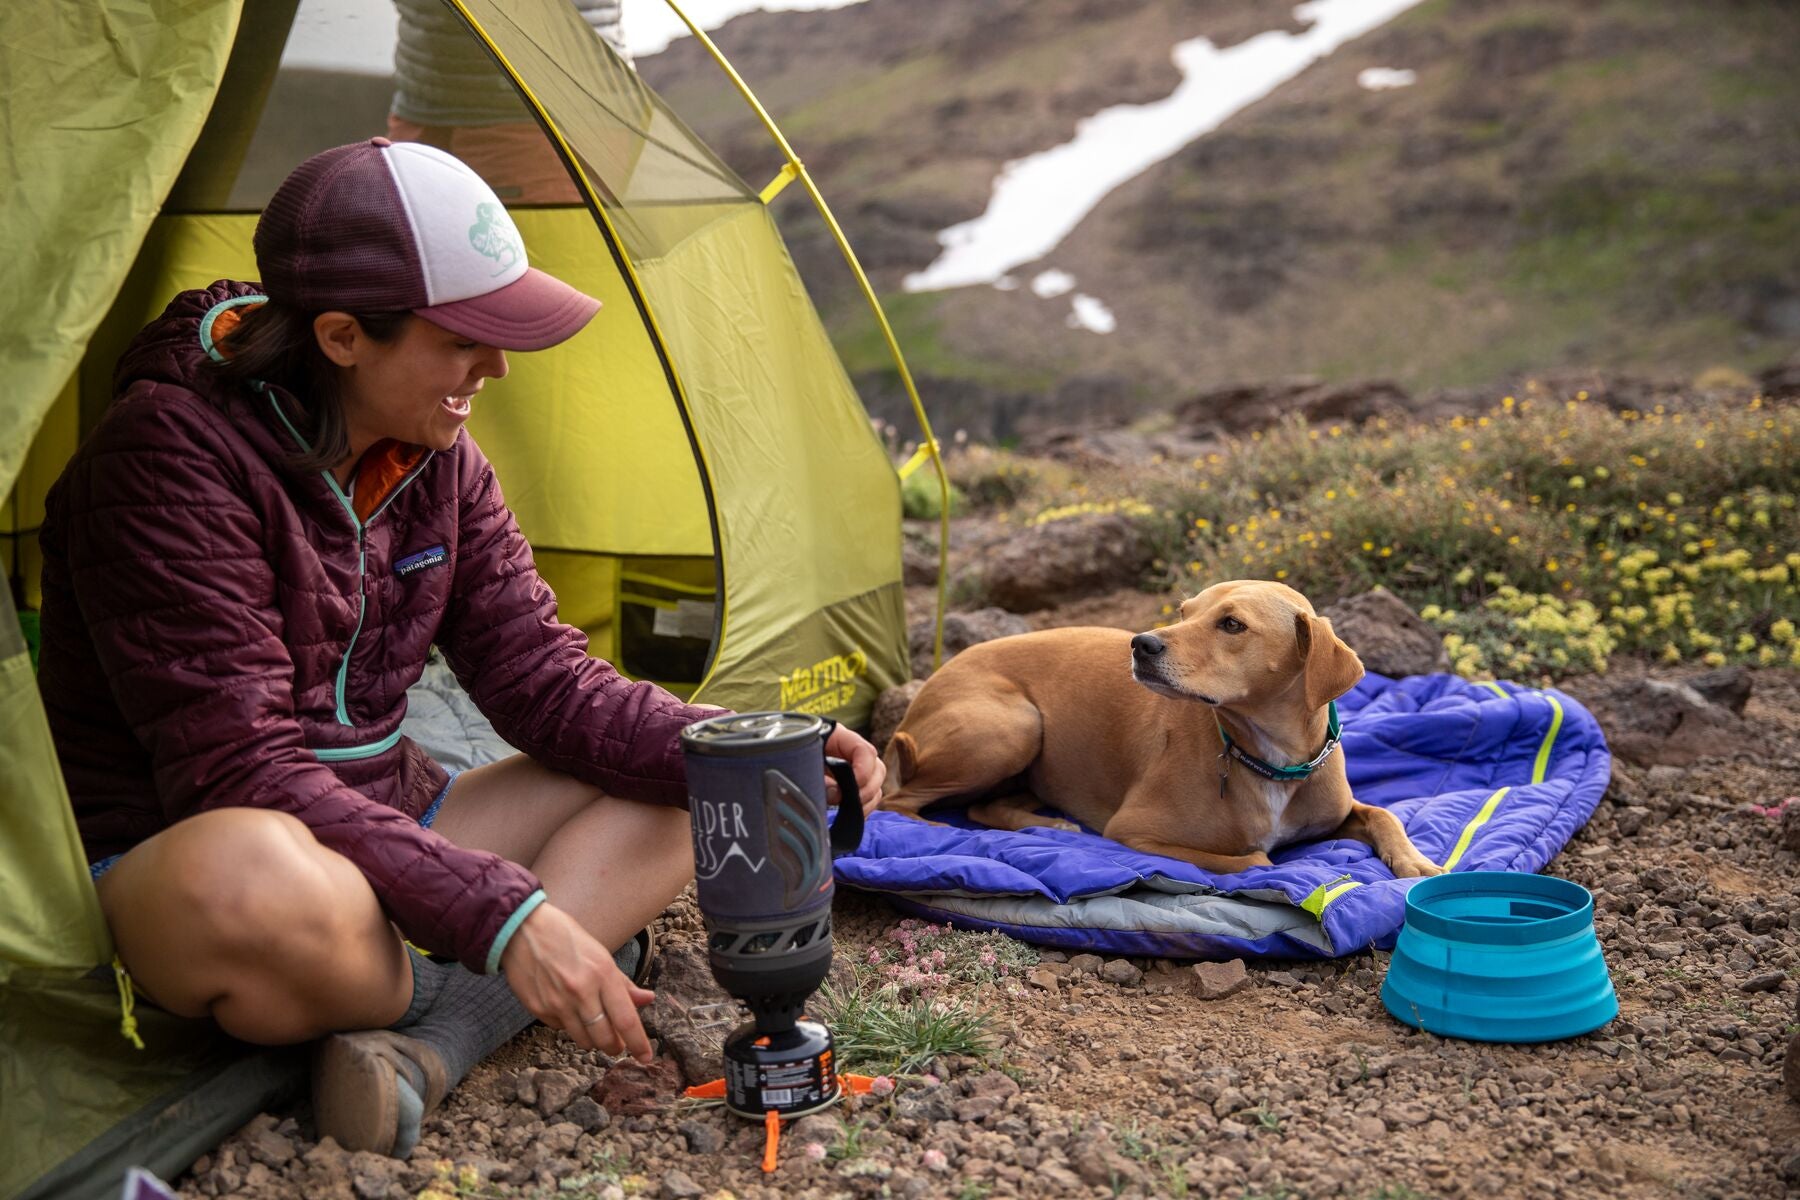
(1122, 733)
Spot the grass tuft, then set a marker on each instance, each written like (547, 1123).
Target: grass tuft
(878, 1032)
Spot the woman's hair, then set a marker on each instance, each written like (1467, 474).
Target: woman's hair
(274, 343)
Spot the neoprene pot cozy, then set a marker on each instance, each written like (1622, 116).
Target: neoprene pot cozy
(762, 854)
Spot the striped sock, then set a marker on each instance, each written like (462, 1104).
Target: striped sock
(463, 1016)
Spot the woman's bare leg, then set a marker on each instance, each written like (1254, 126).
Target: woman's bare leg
(612, 864)
(204, 913)
(241, 915)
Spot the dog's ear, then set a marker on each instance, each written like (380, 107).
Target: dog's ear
(1330, 667)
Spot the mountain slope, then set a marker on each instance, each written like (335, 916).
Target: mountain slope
(1611, 183)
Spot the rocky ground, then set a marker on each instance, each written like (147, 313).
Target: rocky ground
(1266, 1079)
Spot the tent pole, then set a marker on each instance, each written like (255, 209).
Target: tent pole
(628, 271)
(868, 290)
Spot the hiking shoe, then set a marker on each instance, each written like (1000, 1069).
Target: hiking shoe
(372, 1088)
(636, 957)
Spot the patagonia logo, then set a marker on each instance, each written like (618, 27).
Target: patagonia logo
(421, 560)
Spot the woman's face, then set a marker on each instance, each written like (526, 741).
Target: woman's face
(415, 388)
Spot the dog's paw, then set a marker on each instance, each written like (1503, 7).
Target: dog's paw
(1416, 867)
(1066, 826)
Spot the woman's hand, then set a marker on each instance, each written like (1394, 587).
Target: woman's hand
(870, 771)
(569, 981)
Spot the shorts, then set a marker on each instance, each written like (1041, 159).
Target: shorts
(101, 866)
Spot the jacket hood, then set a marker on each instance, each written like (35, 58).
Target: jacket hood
(169, 349)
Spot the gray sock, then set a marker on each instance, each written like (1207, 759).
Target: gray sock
(428, 978)
(463, 1016)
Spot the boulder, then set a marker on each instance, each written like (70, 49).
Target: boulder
(1058, 561)
(1101, 448)
(1217, 980)
(555, 1089)
(631, 1089)
(1782, 382)
(1238, 409)
(1388, 636)
(691, 1014)
(1652, 722)
(918, 559)
(961, 630)
(1727, 687)
(1121, 972)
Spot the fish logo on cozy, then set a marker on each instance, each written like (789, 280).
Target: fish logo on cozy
(421, 560)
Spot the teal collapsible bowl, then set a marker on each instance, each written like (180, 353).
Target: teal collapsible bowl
(1499, 957)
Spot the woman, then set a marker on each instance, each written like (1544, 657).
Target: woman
(246, 565)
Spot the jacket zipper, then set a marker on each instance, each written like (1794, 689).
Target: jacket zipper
(362, 569)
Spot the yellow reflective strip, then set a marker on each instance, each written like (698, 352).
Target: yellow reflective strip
(1543, 754)
(783, 177)
(1325, 893)
(1468, 833)
(1498, 690)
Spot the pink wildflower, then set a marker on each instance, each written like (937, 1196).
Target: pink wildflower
(929, 1080)
(874, 956)
(881, 1085)
(815, 1151)
(988, 958)
(935, 1160)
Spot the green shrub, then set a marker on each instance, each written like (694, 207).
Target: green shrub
(1542, 536)
(921, 497)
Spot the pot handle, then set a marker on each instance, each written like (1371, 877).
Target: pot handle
(847, 830)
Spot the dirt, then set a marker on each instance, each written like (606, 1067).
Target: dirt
(1298, 1085)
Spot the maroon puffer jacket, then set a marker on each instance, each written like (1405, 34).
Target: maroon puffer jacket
(217, 630)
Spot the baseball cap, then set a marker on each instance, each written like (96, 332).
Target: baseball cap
(381, 226)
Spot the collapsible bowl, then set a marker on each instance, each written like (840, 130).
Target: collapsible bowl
(1496, 956)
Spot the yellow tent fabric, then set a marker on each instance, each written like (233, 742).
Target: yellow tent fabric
(90, 88)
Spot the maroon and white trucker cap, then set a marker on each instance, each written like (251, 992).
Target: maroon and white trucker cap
(380, 226)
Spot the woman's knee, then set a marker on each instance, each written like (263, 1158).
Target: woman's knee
(672, 836)
(255, 881)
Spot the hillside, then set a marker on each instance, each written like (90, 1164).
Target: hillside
(1613, 183)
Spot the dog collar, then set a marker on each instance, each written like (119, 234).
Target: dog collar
(1269, 770)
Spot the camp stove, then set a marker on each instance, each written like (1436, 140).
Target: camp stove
(762, 863)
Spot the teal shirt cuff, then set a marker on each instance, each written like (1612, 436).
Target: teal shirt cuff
(511, 927)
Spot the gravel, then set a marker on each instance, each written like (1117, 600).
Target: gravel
(1143, 1078)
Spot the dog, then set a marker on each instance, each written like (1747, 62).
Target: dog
(1127, 734)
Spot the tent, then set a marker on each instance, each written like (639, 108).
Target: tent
(695, 471)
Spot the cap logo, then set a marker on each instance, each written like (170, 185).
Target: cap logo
(493, 236)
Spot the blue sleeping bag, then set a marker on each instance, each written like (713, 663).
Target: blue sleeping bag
(1485, 777)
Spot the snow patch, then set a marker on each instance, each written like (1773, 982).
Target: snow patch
(1380, 79)
(1039, 199)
